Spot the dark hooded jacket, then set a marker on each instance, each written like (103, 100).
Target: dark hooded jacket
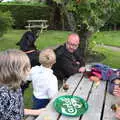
(66, 62)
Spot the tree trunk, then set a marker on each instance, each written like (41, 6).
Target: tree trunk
(115, 27)
(84, 42)
(62, 21)
(70, 19)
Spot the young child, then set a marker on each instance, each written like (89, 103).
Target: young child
(45, 84)
(14, 67)
(114, 83)
(114, 88)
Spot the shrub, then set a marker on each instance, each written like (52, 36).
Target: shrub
(6, 21)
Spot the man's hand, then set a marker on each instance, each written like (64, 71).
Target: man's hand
(116, 91)
(82, 69)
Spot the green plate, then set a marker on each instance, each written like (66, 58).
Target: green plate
(70, 105)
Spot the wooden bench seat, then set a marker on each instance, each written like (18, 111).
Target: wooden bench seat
(37, 21)
(37, 26)
(33, 26)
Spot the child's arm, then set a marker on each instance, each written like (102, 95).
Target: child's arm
(29, 77)
(33, 111)
(53, 88)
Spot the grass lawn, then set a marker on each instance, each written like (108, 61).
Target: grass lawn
(107, 37)
(46, 39)
(53, 38)
(110, 58)
(10, 39)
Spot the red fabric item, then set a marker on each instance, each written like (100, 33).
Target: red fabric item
(97, 74)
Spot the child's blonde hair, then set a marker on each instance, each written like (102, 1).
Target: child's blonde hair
(47, 57)
(14, 66)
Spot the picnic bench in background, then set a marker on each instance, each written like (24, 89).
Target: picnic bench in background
(40, 24)
(99, 100)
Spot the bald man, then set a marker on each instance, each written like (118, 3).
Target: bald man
(69, 60)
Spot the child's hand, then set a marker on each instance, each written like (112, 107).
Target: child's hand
(117, 114)
(82, 69)
(33, 111)
(116, 91)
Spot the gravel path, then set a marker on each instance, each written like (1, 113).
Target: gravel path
(112, 48)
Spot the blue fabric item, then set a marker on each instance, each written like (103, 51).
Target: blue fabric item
(39, 103)
(105, 70)
(108, 74)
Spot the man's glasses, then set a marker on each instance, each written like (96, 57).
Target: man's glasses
(73, 45)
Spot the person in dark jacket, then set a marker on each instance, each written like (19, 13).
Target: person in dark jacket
(68, 58)
(27, 45)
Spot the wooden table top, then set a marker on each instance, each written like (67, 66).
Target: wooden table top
(99, 100)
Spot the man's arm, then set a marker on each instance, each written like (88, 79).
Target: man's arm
(67, 66)
(79, 57)
(53, 87)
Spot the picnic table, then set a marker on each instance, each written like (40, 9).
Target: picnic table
(40, 24)
(98, 99)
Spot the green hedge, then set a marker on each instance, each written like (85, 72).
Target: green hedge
(21, 13)
(6, 22)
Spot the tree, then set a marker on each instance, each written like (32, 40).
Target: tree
(115, 18)
(87, 16)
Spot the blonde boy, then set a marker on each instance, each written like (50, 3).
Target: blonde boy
(45, 84)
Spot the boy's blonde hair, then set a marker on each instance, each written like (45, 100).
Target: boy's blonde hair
(14, 66)
(47, 57)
